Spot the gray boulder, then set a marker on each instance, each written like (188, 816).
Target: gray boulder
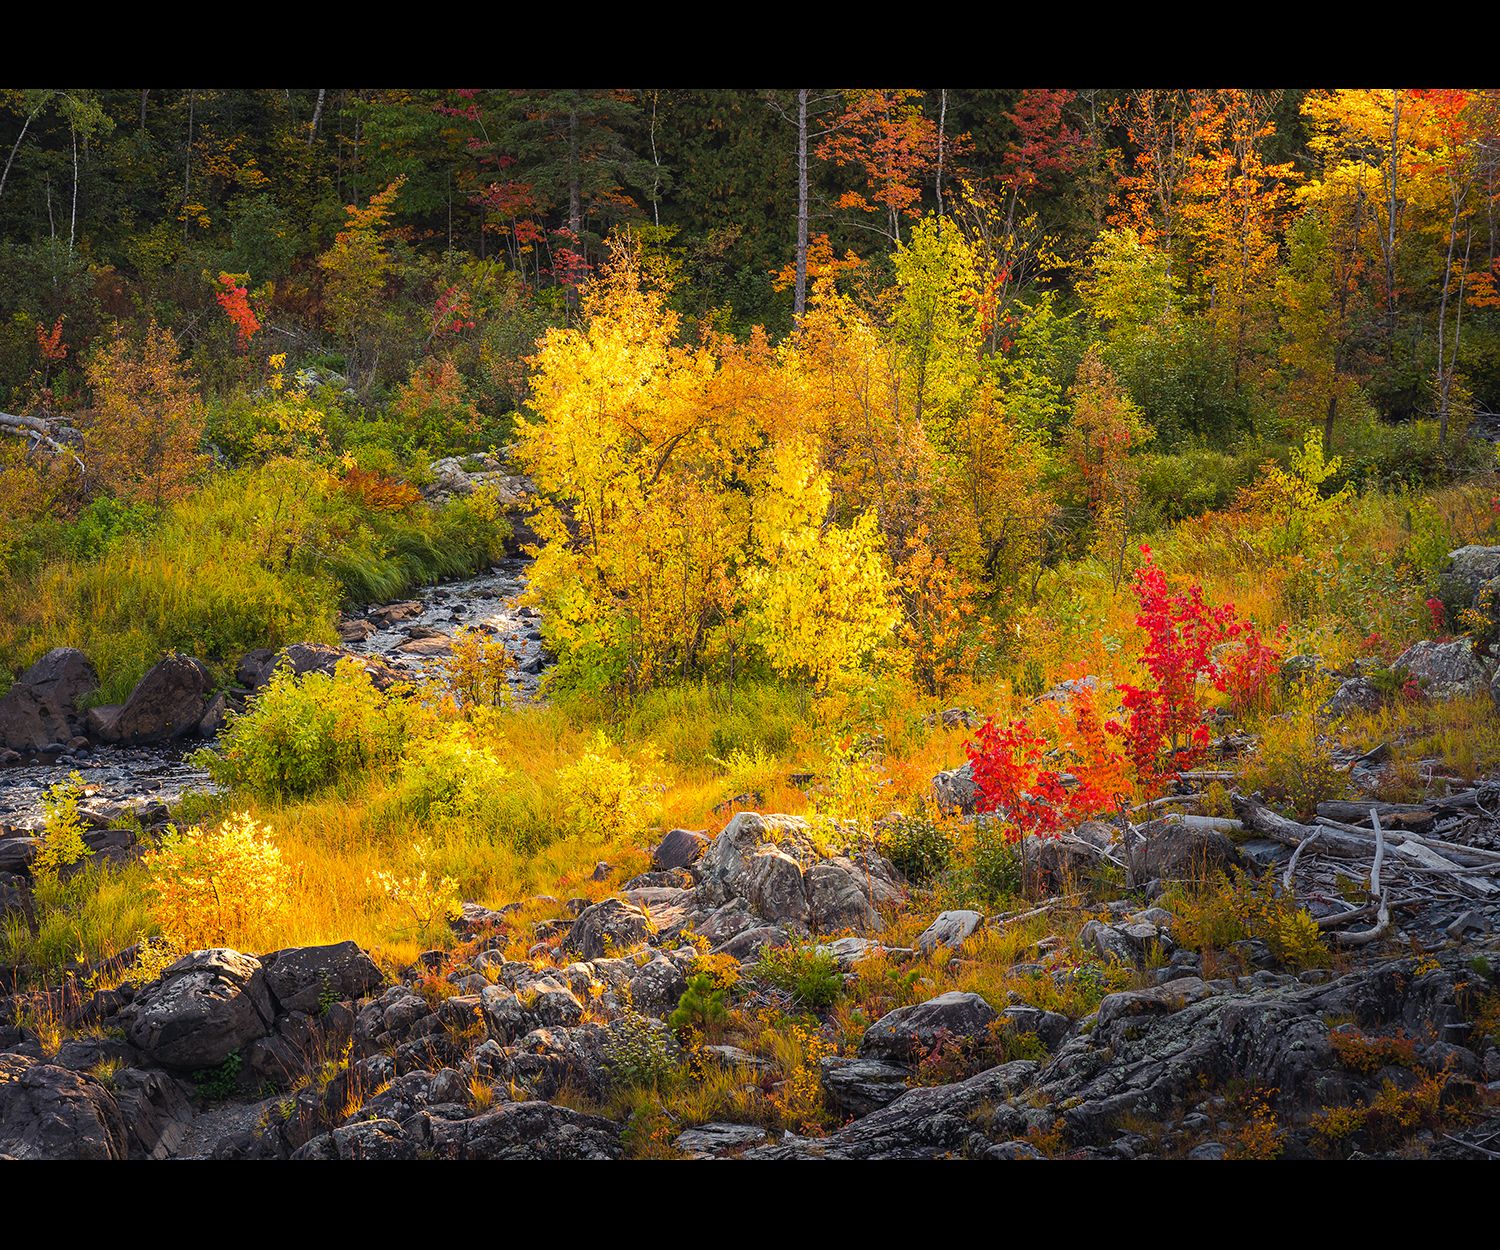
(1171, 850)
(1470, 569)
(1355, 694)
(951, 929)
(48, 1112)
(955, 791)
(908, 1033)
(859, 1086)
(608, 928)
(1444, 669)
(207, 1006)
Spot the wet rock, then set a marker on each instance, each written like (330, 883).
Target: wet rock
(168, 702)
(42, 706)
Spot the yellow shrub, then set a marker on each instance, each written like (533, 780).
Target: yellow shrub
(607, 795)
(219, 886)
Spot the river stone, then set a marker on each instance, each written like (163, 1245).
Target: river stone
(168, 702)
(907, 1033)
(206, 1007)
(42, 706)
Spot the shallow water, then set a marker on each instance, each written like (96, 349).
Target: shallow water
(162, 774)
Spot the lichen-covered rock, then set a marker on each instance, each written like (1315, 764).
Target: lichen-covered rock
(1445, 670)
(611, 927)
(1469, 570)
(859, 1086)
(907, 1033)
(1170, 850)
(522, 1130)
(206, 1007)
(955, 790)
(1355, 694)
(951, 929)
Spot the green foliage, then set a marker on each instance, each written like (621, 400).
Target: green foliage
(701, 1006)
(304, 733)
(810, 976)
(918, 846)
(219, 1082)
(638, 1054)
(62, 829)
(991, 865)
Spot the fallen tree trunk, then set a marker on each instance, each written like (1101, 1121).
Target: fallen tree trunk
(38, 431)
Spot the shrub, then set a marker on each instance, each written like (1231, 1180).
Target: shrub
(305, 733)
(218, 886)
(811, 977)
(428, 898)
(1293, 764)
(62, 829)
(607, 795)
(918, 846)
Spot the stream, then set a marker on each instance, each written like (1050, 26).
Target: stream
(117, 778)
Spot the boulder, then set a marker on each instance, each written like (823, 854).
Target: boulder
(523, 1130)
(1158, 1000)
(1444, 669)
(715, 1141)
(48, 1112)
(1355, 694)
(607, 928)
(207, 1006)
(1054, 864)
(678, 849)
(41, 708)
(1470, 569)
(955, 791)
(907, 1033)
(306, 978)
(859, 1086)
(728, 867)
(168, 702)
(656, 989)
(951, 929)
(1171, 850)
(365, 1139)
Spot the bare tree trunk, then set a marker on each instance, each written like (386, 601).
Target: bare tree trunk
(312, 129)
(16, 146)
(145, 94)
(942, 134)
(1392, 211)
(656, 167)
(799, 298)
(73, 218)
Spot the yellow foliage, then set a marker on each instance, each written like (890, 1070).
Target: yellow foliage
(217, 886)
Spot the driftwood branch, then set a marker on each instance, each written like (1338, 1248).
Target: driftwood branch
(38, 431)
(1383, 914)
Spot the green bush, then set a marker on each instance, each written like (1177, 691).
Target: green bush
(810, 976)
(918, 847)
(305, 733)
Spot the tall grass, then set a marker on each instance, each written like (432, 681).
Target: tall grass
(259, 557)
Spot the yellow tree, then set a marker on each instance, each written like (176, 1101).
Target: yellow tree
(141, 440)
